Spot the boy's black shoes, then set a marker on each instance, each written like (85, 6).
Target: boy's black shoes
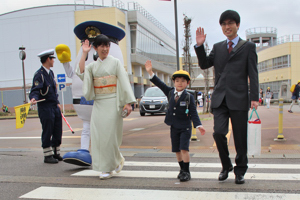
(239, 179)
(185, 176)
(180, 173)
(50, 159)
(224, 173)
(290, 111)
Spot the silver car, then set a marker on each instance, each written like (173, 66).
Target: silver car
(153, 101)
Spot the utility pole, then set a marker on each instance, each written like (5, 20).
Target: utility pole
(186, 49)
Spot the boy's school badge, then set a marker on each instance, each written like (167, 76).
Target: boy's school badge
(36, 83)
(182, 103)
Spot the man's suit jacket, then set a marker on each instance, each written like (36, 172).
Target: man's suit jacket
(176, 115)
(232, 83)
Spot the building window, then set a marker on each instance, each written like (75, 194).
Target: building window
(274, 63)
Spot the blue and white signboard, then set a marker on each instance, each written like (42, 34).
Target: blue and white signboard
(62, 87)
(61, 78)
(61, 81)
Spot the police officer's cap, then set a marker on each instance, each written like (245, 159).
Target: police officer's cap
(181, 73)
(90, 29)
(49, 53)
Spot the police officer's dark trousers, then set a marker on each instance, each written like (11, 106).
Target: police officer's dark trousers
(51, 120)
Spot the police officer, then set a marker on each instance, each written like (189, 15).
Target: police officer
(44, 87)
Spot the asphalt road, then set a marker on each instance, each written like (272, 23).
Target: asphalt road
(150, 168)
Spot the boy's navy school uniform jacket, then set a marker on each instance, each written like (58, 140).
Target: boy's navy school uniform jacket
(176, 116)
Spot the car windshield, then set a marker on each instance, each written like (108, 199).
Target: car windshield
(154, 92)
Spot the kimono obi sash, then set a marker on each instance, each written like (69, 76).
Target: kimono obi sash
(105, 84)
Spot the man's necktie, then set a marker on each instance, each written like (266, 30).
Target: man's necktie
(230, 43)
(176, 97)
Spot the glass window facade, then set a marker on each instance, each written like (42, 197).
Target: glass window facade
(274, 87)
(274, 63)
(145, 43)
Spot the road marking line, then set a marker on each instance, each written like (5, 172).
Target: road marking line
(198, 175)
(66, 193)
(137, 129)
(210, 165)
(129, 119)
(22, 138)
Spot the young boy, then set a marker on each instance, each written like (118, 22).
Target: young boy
(181, 111)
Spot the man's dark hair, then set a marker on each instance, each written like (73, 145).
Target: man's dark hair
(44, 59)
(230, 14)
(101, 40)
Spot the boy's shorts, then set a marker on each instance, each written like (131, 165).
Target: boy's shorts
(180, 139)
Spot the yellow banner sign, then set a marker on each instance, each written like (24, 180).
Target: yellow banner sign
(21, 114)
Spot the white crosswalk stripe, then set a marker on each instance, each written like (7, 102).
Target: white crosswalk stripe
(68, 193)
(200, 175)
(64, 193)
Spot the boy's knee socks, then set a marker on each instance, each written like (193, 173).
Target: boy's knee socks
(186, 166)
(181, 164)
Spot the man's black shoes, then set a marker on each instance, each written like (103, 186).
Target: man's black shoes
(239, 179)
(50, 159)
(185, 176)
(224, 173)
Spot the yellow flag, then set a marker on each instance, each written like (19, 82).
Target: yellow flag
(21, 114)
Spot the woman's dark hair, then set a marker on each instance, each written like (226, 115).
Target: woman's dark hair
(230, 14)
(101, 40)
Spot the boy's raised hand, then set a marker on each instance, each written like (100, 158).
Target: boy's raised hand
(202, 130)
(148, 67)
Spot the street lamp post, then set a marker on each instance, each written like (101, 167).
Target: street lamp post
(176, 31)
(22, 56)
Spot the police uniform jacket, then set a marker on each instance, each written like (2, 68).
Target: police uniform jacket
(44, 87)
(176, 115)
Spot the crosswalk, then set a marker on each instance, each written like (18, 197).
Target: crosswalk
(199, 172)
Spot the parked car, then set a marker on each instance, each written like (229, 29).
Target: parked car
(153, 101)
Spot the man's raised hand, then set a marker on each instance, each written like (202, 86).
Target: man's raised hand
(200, 36)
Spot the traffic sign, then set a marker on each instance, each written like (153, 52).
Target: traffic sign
(62, 87)
(61, 78)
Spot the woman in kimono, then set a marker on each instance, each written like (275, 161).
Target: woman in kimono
(106, 82)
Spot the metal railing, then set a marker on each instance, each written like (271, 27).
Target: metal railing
(288, 38)
(105, 3)
(256, 30)
(138, 7)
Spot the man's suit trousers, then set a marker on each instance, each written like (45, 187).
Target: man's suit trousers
(239, 126)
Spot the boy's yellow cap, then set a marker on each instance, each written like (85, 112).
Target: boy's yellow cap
(298, 81)
(181, 73)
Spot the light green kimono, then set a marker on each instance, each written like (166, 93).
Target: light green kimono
(106, 122)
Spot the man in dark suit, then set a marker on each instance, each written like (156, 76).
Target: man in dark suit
(235, 62)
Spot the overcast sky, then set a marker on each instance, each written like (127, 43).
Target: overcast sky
(281, 14)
